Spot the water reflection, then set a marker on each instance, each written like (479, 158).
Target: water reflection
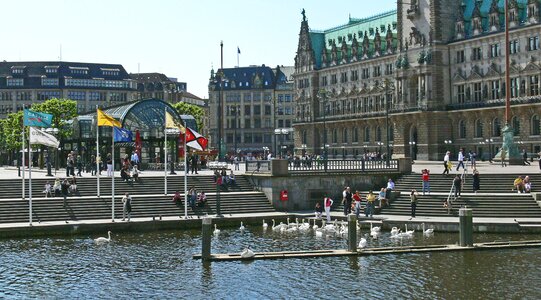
(160, 265)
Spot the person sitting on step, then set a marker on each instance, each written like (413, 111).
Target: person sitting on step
(73, 185)
(177, 199)
(231, 178)
(201, 199)
(57, 187)
(518, 184)
(135, 173)
(48, 190)
(527, 184)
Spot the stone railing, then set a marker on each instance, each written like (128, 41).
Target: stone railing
(303, 166)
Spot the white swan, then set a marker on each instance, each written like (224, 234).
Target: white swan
(319, 232)
(428, 231)
(315, 227)
(265, 225)
(216, 230)
(247, 253)
(274, 227)
(362, 243)
(395, 231)
(376, 228)
(102, 239)
(408, 233)
(241, 228)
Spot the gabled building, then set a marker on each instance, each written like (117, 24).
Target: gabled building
(422, 79)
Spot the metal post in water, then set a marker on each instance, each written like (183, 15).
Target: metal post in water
(207, 235)
(352, 233)
(466, 227)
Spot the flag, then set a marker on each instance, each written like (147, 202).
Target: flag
(39, 137)
(106, 120)
(170, 122)
(195, 140)
(37, 119)
(122, 135)
(238, 50)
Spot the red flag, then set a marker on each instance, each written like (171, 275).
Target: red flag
(138, 144)
(195, 140)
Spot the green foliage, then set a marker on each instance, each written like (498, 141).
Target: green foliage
(62, 111)
(10, 129)
(197, 112)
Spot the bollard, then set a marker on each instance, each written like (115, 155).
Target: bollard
(207, 236)
(466, 227)
(352, 233)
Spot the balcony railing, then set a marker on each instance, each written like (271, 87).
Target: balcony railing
(318, 165)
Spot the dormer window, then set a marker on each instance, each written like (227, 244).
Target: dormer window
(79, 70)
(110, 72)
(51, 69)
(17, 70)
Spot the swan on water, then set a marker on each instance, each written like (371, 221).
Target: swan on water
(247, 253)
(362, 243)
(374, 228)
(103, 239)
(395, 231)
(315, 227)
(216, 230)
(428, 231)
(241, 228)
(408, 233)
(265, 225)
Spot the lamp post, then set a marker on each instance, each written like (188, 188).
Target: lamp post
(53, 131)
(323, 94)
(220, 80)
(489, 141)
(413, 150)
(265, 150)
(282, 132)
(303, 146)
(235, 111)
(174, 132)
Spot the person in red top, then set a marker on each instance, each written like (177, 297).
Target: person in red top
(357, 199)
(328, 203)
(426, 181)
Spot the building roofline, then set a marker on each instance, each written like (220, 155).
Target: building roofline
(355, 21)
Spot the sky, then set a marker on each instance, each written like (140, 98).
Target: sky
(178, 38)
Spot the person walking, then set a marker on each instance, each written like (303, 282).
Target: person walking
(476, 181)
(93, 165)
(69, 165)
(134, 158)
(370, 200)
(473, 157)
(426, 181)
(328, 204)
(357, 198)
(347, 201)
(525, 157)
(446, 163)
(193, 163)
(460, 159)
(457, 184)
(413, 198)
(503, 156)
(236, 162)
(79, 165)
(126, 206)
(109, 165)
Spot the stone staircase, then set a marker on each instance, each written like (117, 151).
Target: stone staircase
(148, 200)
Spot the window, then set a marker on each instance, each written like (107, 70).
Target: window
(377, 71)
(97, 96)
(248, 138)
(345, 136)
(535, 125)
(462, 129)
(478, 128)
(477, 54)
(515, 87)
(366, 134)
(389, 69)
(533, 43)
(343, 77)
(460, 58)
(118, 97)
(496, 129)
(460, 93)
(355, 137)
(98, 83)
(513, 47)
(333, 79)
(257, 110)
(324, 81)
(365, 73)
(495, 89)
(14, 81)
(334, 136)
(257, 123)
(49, 81)
(247, 97)
(79, 70)
(46, 95)
(477, 92)
(247, 110)
(287, 97)
(247, 124)
(494, 50)
(354, 75)
(516, 125)
(51, 70)
(110, 72)
(5, 96)
(17, 70)
(268, 110)
(534, 85)
(24, 96)
(74, 95)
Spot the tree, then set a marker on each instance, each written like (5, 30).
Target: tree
(62, 110)
(197, 112)
(11, 131)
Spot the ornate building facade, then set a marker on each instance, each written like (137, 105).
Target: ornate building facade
(420, 80)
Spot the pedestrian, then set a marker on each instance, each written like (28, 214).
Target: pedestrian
(413, 199)
(192, 196)
(457, 185)
(135, 158)
(426, 181)
(476, 182)
(460, 159)
(389, 189)
(318, 211)
(328, 204)
(370, 200)
(48, 190)
(135, 173)
(357, 198)
(446, 163)
(79, 165)
(69, 165)
(193, 163)
(177, 199)
(65, 190)
(473, 157)
(109, 165)
(347, 199)
(525, 157)
(539, 160)
(381, 197)
(93, 168)
(236, 162)
(126, 206)
(503, 155)
(99, 166)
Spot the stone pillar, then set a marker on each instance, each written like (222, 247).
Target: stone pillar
(466, 227)
(404, 165)
(279, 167)
(352, 233)
(207, 236)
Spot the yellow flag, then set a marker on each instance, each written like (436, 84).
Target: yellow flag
(170, 122)
(106, 120)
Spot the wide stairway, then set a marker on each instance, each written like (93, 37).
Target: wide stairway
(494, 199)
(148, 199)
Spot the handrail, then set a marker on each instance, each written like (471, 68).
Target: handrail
(449, 204)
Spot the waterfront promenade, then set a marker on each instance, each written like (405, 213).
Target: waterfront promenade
(232, 218)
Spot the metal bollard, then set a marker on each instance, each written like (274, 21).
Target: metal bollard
(466, 227)
(207, 236)
(352, 233)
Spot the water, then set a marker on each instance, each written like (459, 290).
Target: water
(160, 265)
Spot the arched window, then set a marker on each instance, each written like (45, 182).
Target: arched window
(335, 136)
(345, 135)
(516, 125)
(367, 134)
(478, 128)
(462, 129)
(535, 125)
(304, 137)
(496, 129)
(355, 137)
(378, 134)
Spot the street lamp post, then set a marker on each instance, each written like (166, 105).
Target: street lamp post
(53, 131)
(303, 146)
(489, 141)
(413, 151)
(282, 132)
(220, 78)
(173, 132)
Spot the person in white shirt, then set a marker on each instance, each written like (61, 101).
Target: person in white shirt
(446, 163)
(269, 156)
(460, 159)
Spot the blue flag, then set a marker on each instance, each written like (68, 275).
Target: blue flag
(37, 119)
(122, 135)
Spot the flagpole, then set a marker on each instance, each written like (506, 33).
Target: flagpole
(185, 176)
(23, 160)
(165, 150)
(238, 65)
(97, 154)
(113, 177)
(30, 182)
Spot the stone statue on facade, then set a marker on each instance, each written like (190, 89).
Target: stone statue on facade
(303, 13)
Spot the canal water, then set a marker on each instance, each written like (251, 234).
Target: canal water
(159, 265)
